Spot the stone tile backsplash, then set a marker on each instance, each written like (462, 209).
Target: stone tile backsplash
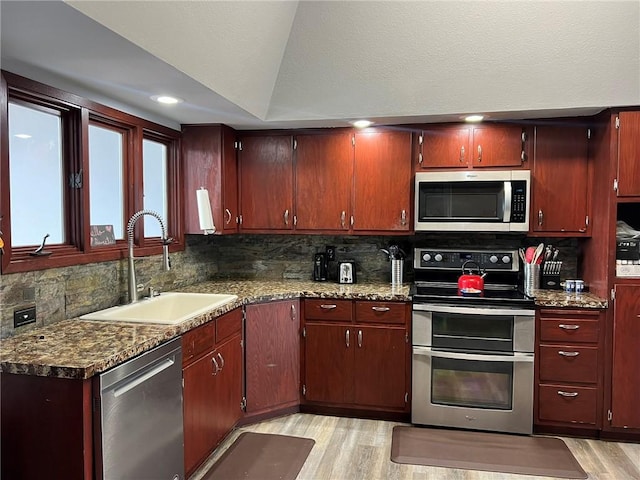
(69, 292)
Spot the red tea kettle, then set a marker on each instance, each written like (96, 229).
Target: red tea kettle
(470, 283)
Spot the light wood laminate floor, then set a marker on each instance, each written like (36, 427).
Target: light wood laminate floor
(356, 449)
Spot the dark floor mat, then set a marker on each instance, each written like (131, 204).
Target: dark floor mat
(262, 456)
(490, 452)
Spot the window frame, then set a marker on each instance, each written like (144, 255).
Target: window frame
(78, 113)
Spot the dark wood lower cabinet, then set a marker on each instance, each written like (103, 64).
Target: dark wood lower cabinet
(625, 376)
(569, 370)
(272, 346)
(46, 426)
(212, 392)
(356, 364)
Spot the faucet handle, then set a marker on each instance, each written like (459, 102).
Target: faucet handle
(167, 241)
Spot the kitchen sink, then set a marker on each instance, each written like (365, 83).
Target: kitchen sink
(168, 308)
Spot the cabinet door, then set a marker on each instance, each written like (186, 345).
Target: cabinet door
(329, 363)
(445, 147)
(625, 384)
(266, 183)
(629, 154)
(497, 146)
(382, 181)
(229, 221)
(380, 367)
(228, 390)
(324, 174)
(209, 160)
(272, 355)
(560, 181)
(200, 424)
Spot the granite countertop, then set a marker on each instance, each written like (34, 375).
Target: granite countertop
(562, 299)
(80, 349)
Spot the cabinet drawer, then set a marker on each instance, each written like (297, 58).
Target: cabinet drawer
(197, 341)
(328, 309)
(569, 330)
(558, 403)
(228, 324)
(381, 312)
(568, 363)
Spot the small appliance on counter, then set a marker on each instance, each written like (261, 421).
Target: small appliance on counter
(347, 271)
(320, 267)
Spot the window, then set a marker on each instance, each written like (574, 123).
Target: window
(106, 179)
(36, 174)
(69, 166)
(154, 168)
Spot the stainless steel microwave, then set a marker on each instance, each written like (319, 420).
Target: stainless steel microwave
(473, 200)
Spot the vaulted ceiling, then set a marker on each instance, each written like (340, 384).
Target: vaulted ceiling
(276, 64)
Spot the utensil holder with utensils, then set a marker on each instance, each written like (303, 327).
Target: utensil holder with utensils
(531, 277)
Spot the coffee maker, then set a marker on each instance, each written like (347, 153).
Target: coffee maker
(320, 267)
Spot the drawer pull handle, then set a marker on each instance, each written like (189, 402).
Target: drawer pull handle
(359, 338)
(568, 354)
(346, 338)
(567, 394)
(380, 309)
(569, 327)
(217, 367)
(221, 360)
(328, 307)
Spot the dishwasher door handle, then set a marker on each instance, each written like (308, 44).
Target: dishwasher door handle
(152, 372)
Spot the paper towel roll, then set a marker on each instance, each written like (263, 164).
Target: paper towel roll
(204, 211)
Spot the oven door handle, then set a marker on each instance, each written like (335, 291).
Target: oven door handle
(424, 307)
(515, 357)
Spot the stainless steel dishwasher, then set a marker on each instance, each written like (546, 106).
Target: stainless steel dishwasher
(140, 418)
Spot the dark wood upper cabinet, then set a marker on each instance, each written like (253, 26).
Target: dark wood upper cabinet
(560, 181)
(266, 182)
(323, 181)
(497, 146)
(625, 384)
(628, 174)
(466, 146)
(209, 161)
(382, 181)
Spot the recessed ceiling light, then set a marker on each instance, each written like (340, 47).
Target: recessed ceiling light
(362, 123)
(24, 136)
(474, 118)
(166, 99)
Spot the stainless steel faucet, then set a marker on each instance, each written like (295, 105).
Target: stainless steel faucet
(133, 284)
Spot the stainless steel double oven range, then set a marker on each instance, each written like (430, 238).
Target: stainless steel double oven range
(472, 355)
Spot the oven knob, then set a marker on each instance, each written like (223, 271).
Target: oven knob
(426, 257)
(438, 257)
(493, 259)
(506, 259)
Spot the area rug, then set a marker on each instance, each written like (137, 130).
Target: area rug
(262, 456)
(490, 452)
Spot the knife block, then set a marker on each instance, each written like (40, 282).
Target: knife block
(550, 281)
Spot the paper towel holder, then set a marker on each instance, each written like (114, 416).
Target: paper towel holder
(205, 216)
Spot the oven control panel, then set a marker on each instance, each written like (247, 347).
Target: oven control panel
(488, 260)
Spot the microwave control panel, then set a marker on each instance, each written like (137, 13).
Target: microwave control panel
(518, 201)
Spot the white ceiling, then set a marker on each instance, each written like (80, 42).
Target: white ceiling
(281, 64)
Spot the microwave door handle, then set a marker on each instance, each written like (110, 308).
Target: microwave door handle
(515, 357)
(507, 202)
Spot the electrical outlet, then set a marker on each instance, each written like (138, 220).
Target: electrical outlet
(24, 316)
(331, 253)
